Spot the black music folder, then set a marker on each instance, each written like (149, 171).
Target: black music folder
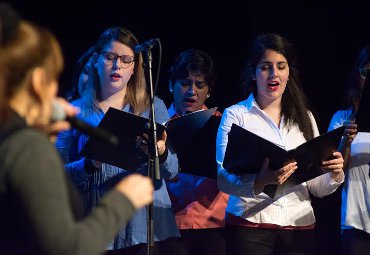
(193, 138)
(246, 152)
(127, 126)
(197, 156)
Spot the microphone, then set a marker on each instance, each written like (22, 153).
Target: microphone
(146, 45)
(58, 114)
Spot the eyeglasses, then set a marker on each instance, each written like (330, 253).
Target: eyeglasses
(363, 71)
(110, 57)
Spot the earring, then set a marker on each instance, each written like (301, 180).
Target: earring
(208, 95)
(170, 88)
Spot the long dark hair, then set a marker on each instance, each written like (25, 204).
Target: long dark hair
(294, 102)
(354, 85)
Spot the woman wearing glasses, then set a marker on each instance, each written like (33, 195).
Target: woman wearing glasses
(355, 212)
(116, 79)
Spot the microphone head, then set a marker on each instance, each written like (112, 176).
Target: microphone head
(57, 112)
(146, 45)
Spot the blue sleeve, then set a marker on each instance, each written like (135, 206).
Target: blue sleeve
(339, 118)
(67, 146)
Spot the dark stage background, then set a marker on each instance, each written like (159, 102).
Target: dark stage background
(327, 36)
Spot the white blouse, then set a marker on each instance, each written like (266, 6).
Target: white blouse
(293, 206)
(355, 212)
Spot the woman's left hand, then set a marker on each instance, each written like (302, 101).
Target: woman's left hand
(161, 143)
(142, 142)
(335, 167)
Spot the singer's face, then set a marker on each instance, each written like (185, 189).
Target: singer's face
(190, 93)
(113, 73)
(272, 75)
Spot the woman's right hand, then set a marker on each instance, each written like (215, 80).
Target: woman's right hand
(268, 176)
(137, 188)
(350, 131)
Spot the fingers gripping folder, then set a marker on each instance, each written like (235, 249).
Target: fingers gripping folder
(192, 137)
(246, 152)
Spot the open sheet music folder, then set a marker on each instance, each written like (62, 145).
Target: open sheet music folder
(197, 156)
(246, 152)
(127, 127)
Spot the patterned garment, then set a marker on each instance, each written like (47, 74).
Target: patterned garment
(93, 186)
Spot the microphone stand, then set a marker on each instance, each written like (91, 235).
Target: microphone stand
(153, 158)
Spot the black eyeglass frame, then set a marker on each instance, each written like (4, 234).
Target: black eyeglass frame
(110, 57)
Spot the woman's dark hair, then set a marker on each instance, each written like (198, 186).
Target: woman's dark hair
(354, 87)
(9, 22)
(196, 61)
(294, 102)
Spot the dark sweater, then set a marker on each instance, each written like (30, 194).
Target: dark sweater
(40, 210)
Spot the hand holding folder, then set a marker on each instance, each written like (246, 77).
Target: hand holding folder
(127, 127)
(246, 152)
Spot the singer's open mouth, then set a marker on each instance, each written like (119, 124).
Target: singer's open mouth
(190, 100)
